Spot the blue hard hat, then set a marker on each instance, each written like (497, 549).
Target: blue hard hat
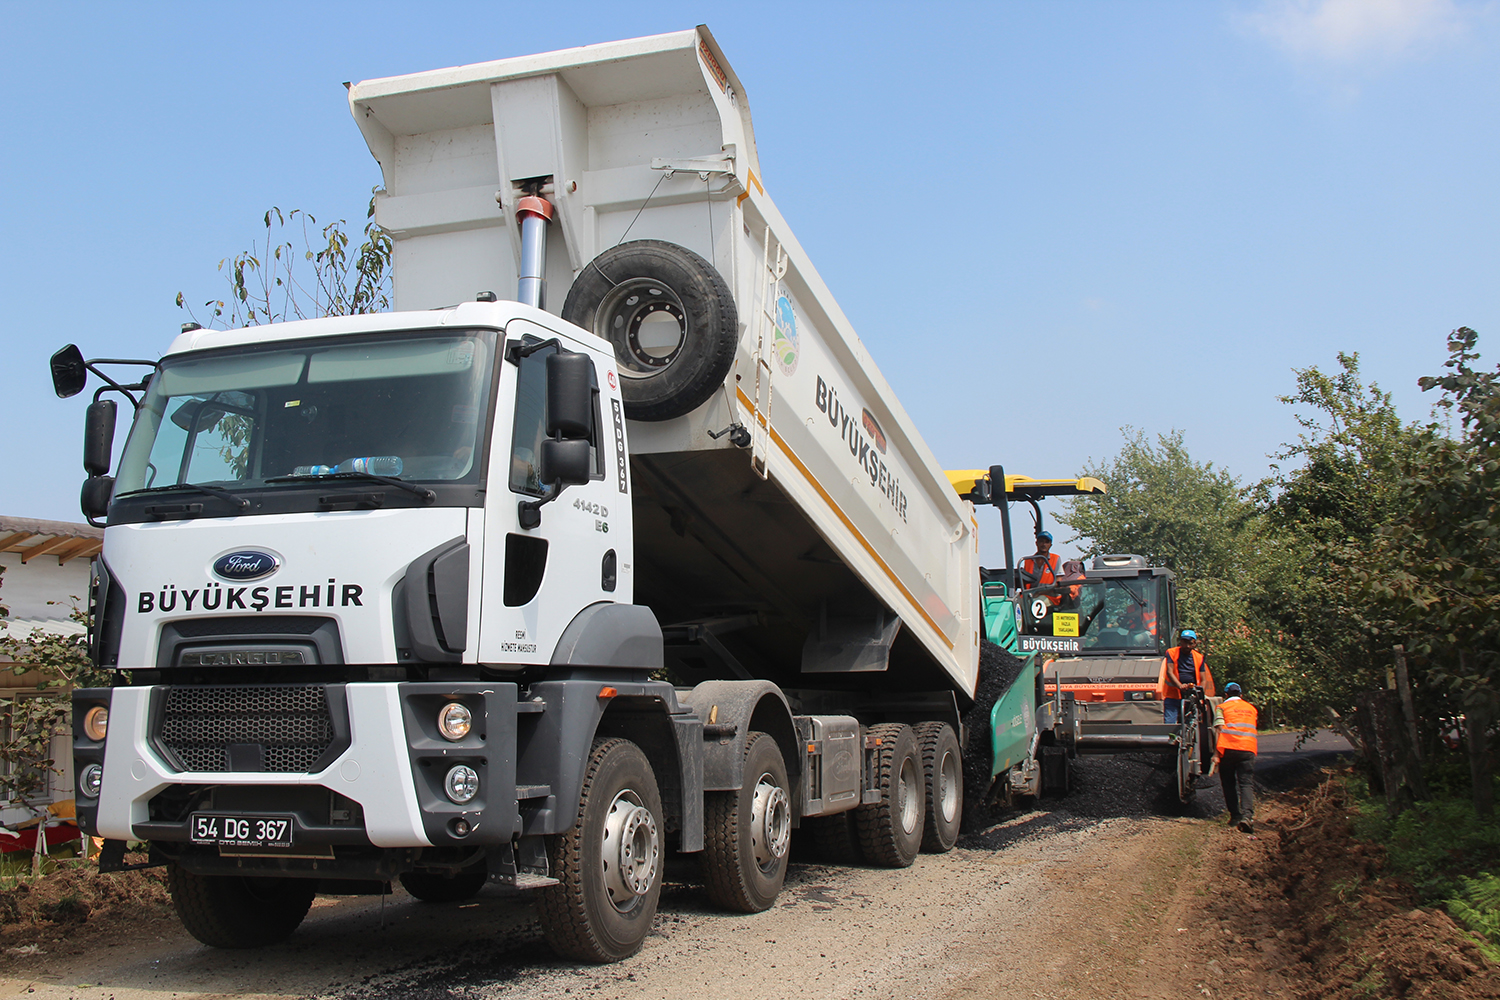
(1188, 633)
(1231, 689)
(1044, 534)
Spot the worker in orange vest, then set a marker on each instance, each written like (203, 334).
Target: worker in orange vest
(1042, 568)
(1185, 668)
(1234, 722)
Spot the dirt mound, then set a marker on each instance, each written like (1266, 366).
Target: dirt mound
(1304, 909)
(73, 903)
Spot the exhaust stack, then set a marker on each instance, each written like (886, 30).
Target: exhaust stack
(533, 213)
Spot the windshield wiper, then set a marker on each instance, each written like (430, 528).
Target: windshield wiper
(423, 492)
(212, 491)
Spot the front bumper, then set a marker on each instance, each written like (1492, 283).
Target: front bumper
(392, 769)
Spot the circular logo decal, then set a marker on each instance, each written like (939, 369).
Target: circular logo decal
(784, 342)
(247, 564)
(610, 378)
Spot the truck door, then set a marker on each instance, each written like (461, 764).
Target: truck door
(537, 579)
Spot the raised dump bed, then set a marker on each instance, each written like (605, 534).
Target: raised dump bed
(788, 516)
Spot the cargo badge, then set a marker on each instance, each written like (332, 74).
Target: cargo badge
(245, 565)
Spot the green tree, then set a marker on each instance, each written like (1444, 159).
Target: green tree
(1326, 511)
(266, 285)
(1438, 571)
(1200, 522)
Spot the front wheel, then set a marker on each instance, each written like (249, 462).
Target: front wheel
(233, 911)
(748, 833)
(609, 864)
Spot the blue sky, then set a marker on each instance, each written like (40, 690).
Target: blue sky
(1046, 221)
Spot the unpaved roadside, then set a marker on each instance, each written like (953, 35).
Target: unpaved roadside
(1049, 903)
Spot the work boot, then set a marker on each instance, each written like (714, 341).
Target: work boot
(1245, 826)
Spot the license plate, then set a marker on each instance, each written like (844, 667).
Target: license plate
(240, 830)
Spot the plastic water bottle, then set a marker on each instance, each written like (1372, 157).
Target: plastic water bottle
(375, 465)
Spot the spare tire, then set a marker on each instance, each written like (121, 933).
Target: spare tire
(671, 319)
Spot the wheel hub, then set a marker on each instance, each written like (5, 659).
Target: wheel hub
(947, 803)
(631, 850)
(911, 796)
(646, 322)
(770, 822)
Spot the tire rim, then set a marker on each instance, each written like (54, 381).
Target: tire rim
(630, 852)
(947, 803)
(911, 799)
(647, 324)
(770, 823)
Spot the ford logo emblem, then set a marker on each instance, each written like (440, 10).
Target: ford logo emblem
(246, 565)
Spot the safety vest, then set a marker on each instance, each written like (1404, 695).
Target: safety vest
(1238, 730)
(1174, 673)
(1045, 569)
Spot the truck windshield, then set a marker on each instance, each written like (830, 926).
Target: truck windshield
(1116, 615)
(408, 407)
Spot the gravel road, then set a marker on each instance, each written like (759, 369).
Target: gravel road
(1017, 896)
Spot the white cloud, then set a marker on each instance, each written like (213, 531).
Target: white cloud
(1352, 30)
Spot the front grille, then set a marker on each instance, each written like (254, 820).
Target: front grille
(198, 628)
(291, 722)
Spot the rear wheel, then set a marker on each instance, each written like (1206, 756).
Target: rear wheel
(1187, 757)
(748, 833)
(943, 775)
(836, 838)
(890, 831)
(447, 887)
(609, 865)
(232, 911)
(1056, 771)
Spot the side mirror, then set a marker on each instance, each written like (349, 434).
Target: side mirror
(185, 415)
(570, 395)
(566, 462)
(98, 436)
(69, 375)
(95, 496)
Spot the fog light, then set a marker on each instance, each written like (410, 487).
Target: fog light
(460, 828)
(455, 720)
(462, 783)
(91, 780)
(96, 723)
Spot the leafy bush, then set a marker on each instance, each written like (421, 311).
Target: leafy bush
(1433, 844)
(1478, 909)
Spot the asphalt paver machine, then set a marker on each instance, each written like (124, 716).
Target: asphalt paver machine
(1094, 643)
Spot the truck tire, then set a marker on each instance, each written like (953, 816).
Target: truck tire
(943, 771)
(623, 296)
(1056, 772)
(890, 831)
(232, 911)
(451, 887)
(609, 864)
(748, 833)
(836, 838)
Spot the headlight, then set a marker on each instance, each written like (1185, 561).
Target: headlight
(455, 720)
(462, 784)
(91, 780)
(96, 723)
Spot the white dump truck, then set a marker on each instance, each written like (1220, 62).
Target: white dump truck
(534, 592)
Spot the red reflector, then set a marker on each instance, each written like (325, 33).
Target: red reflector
(607, 692)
